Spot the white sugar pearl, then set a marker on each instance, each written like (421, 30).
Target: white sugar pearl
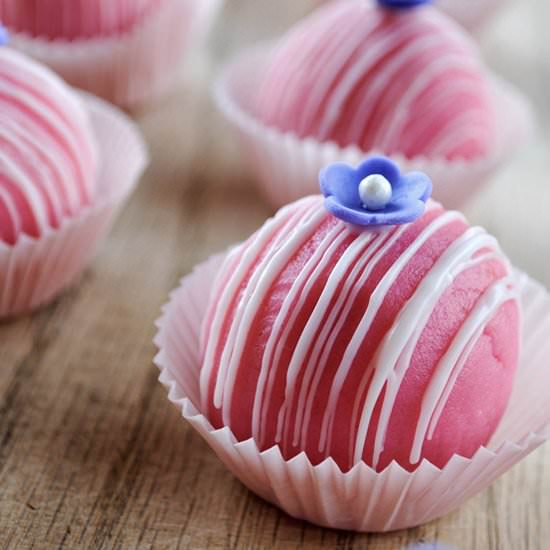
(375, 192)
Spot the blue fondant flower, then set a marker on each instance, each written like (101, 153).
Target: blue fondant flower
(4, 36)
(375, 193)
(403, 4)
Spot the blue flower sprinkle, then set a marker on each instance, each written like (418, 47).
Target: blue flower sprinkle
(403, 4)
(375, 193)
(4, 36)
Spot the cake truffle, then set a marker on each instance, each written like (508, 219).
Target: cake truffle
(383, 77)
(365, 326)
(48, 157)
(72, 19)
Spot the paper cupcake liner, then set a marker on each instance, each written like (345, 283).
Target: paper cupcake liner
(361, 499)
(35, 270)
(287, 167)
(131, 68)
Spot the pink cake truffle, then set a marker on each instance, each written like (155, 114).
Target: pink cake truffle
(396, 81)
(128, 52)
(48, 164)
(381, 344)
(72, 19)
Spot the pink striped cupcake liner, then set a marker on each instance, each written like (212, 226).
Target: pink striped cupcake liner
(287, 167)
(134, 67)
(34, 271)
(361, 499)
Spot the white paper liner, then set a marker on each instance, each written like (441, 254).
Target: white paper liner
(134, 67)
(35, 270)
(287, 167)
(361, 499)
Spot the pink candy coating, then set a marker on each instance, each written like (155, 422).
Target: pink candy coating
(71, 19)
(399, 344)
(48, 159)
(394, 81)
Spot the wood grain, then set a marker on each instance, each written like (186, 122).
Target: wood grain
(92, 455)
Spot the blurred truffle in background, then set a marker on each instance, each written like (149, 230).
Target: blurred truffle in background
(356, 78)
(128, 52)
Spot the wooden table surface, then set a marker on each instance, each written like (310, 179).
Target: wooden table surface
(91, 452)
